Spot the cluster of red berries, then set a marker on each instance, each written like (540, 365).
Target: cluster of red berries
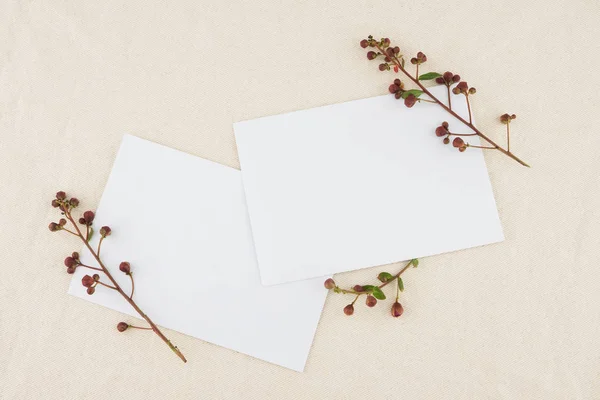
(463, 88)
(90, 282)
(447, 78)
(371, 299)
(419, 59)
(506, 118)
(72, 262)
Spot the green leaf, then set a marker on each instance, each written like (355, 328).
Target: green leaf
(429, 76)
(91, 234)
(385, 277)
(415, 262)
(378, 293)
(400, 284)
(368, 288)
(414, 92)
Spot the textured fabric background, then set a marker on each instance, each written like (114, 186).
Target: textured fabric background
(516, 320)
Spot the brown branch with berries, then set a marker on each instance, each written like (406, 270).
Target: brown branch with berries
(374, 292)
(73, 262)
(394, 60)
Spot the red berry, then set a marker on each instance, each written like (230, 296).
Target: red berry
(61, 195)
(371, 55)
(397, 310)
(364, 43)
(88, 217)
(125, 267)
(105, 231)
(441, 131)
(393, 88)
(358, 288)
(371, 301)
(329, 284)
(410, 100)
(70, 262)
(87, 281)
(349, 309)
(91, 290)
(122, 326)
(458, 142)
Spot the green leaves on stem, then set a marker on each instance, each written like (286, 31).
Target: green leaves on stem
(429, 76)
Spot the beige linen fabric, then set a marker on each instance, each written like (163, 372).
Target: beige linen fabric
(515, 320)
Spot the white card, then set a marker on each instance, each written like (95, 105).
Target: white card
(182, 223)
(361, 184)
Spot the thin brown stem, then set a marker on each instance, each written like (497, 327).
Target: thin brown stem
(454, 114)
(508, 135)
(120, 290)
(87, 266)
(139, 327)
(70, 231)
(449, 98)
(462, 134)
(99, 245)
(469, 107)
(132, 285)
(482, 147)
(108, 286)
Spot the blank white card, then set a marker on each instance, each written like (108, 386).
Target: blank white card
(360, 184)
(182, 223)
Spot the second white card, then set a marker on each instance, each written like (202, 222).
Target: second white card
(361, 184)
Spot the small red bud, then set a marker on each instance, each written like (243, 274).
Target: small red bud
(386, 42)
(383, 67)
(441, 131)
(440, 80)
(62, 222)
(447, 77)
(393, 88)
(61, 195)
(414, 61)
(91, 290)
(329, 283)
(82, 221)
(71, 270)
(446, 140)
(396, 50)
(445, 124)
(398, 83)
(410, 100)
(456, 90)
(87, 281)
(96, 277)
(88, 217)
(458, 142)
(55, 203)
(513, 116)
(122, 326)
(105, 231)
(463, 148)
(53, 226)
(371, 55)
(74, 202)
(364, 43)
(70, 262)
(358, 288)
(397, 310)
(456, 78)
(125, 267)
(349, 309)
(472, 90)
(371, 301)
(504, 118)
(75, 255)
(398, 95)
